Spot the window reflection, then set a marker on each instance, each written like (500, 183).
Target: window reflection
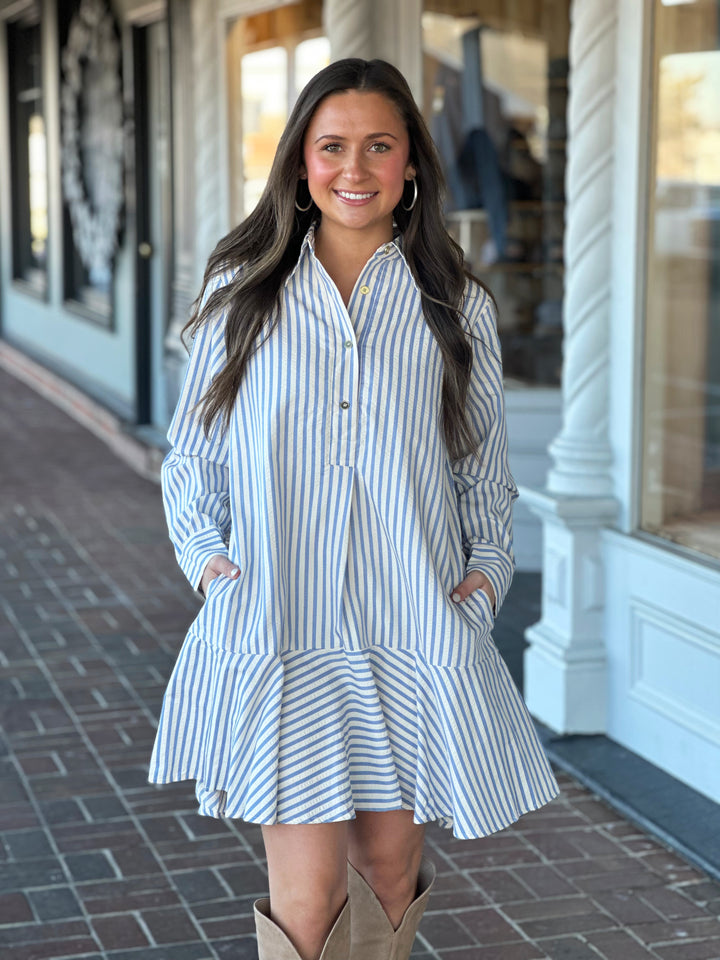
(91, 130)
(681, 439)
(270, 57)
(264, 98)
(310, 57)
(494, 99)
(37, 187)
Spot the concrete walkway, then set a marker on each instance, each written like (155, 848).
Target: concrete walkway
(95, 863)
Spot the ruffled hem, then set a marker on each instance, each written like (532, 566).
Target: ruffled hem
(315, 736)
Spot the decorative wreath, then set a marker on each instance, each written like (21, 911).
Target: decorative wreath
(92, 39)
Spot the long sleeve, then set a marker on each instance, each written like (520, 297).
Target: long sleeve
(195, 472)
(484, 486)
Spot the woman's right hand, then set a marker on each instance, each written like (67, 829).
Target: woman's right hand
(218, 566)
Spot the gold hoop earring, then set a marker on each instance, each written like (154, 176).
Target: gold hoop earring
(414, 199)
(303, 209)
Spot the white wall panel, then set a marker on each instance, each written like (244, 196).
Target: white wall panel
(662, 626)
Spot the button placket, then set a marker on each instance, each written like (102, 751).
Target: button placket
(343, 359)
(343, 388)
(363, 295)
(346, 377)
(356, 312)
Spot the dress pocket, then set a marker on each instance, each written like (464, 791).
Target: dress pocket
(475, 612)
(215, 584)
(220, 599)
(478, 608)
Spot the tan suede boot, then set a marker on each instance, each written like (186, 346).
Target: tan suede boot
(373, 936)
(274, 944)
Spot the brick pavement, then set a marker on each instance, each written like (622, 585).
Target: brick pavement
(96, 863)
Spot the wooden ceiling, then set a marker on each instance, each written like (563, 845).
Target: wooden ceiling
(283, 22)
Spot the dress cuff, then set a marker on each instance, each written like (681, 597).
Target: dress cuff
(196, 552)
(497, 566)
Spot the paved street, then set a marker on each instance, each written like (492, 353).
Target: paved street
(96, 863)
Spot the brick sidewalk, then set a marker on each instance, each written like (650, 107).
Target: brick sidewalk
(95, 863)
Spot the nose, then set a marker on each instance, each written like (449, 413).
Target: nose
(355, 165)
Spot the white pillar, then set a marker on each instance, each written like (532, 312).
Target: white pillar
(210, 131)
(565, 664)
(349, 27)
(184, 280)
(387, 29)
(199, 146)
(581, 451)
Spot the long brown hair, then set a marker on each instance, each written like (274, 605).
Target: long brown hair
(263, 249)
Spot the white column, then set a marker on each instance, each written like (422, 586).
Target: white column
(388, 29)
(199, 148)
(565, 664)
(210, 130)
(183, 281)
(581, 451)
(398, 38)
(349, 27)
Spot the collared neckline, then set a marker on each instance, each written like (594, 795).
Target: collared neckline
(307, 248)
(384, 248)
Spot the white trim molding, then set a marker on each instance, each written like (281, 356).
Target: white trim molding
(686, 695)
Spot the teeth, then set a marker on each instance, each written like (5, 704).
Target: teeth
(355, 196)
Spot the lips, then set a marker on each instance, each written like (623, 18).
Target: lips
(354, 197)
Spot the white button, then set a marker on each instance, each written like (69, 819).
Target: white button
(344, 404)
(364, 289)
(348, 343)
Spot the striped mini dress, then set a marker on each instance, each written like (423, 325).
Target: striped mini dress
(336, 674)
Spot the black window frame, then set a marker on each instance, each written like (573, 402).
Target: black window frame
(25, 90)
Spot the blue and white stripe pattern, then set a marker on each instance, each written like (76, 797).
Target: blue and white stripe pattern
(336, 674)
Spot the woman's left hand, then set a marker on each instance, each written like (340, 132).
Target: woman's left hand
(475, 580)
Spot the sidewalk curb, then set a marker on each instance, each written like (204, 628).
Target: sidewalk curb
(142, 456)
(647, 822)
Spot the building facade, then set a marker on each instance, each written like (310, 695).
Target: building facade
(580, 141)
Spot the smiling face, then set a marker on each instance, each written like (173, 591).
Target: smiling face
(356, 160)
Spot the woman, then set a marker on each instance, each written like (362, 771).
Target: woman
(338, 490)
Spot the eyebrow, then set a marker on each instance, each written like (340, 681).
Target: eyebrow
(370, 136)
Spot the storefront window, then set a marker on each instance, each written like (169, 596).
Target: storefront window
(93, 148)
(680, 498)
(495, 95)
(264, 101)
(28, 155)
(270, 57)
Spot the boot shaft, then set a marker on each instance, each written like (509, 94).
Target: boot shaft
(274, 944)
(373, 936)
